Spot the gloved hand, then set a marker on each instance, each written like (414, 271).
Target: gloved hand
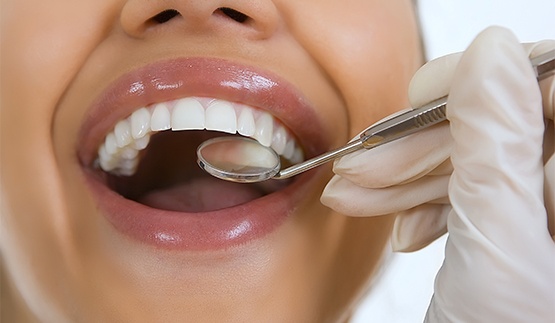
(500, 257)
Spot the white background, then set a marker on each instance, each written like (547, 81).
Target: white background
(404, 292)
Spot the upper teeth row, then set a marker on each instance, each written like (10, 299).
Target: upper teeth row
(119, 152)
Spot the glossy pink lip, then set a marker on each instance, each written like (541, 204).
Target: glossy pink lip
(168, 80)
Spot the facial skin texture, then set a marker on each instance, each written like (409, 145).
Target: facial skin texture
(62, 261)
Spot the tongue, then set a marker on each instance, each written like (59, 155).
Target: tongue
(201, 195)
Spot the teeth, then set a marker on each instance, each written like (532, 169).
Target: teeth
(220, 116)
(129, 153)
(140, 123)
(161, 119)
(108, 164)
(264, 129)
(120, 152)
(298, 155)
(122, 132)
(141, 143)
(102, 153)
(128, 167)
(289, 150)
(188, 114)
(279, 140)
(110, 143)
(245, 123)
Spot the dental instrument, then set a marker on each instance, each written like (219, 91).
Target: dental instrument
(244, 160)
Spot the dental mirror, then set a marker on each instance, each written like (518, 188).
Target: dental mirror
(238, 159)
(244, 160)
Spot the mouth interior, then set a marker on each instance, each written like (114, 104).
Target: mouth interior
(169, 178)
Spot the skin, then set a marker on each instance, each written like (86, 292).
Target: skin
(62, 263)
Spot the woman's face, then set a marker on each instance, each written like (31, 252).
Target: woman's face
(139, 234)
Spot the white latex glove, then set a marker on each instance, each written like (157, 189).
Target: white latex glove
(500, 257)
(409, 177)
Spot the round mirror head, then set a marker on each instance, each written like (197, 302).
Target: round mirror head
(238, 159)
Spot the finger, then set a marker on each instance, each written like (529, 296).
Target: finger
(418, 227)
(398, 162)
(445, 168)
(351, 199)
(433, 80)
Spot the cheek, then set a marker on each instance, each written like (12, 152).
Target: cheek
(370, 52)
(46, 42)
(38, 58)
(375, 78)
(43, 45)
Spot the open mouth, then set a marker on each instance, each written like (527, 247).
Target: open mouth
(138, 146)
(149, 157)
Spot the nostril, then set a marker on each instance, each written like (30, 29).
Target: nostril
(165, 16)
(169, 14)
(234, 14)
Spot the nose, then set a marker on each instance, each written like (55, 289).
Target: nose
(253, 19)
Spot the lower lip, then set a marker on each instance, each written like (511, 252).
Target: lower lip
(199, 231)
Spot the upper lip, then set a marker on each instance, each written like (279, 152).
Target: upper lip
(209, 77)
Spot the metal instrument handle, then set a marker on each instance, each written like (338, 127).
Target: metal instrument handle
(405, 123)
